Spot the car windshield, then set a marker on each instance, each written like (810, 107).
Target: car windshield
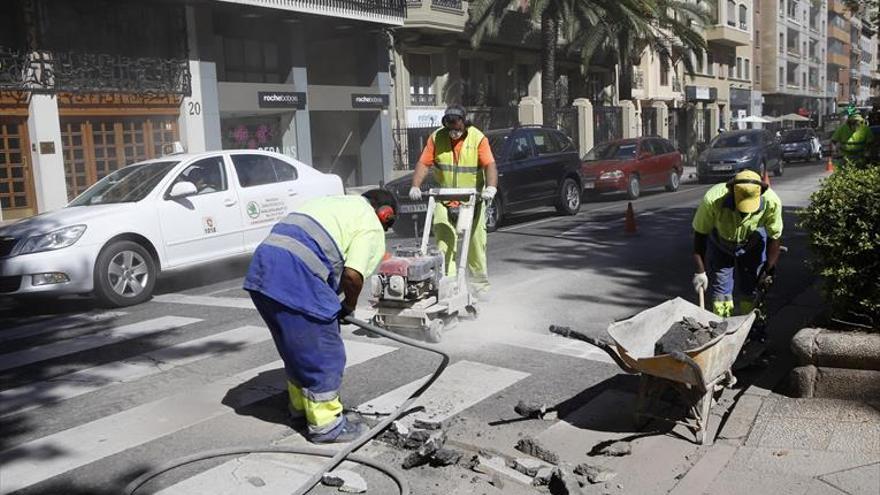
(125, 185)
(612, 151)
(796, 135)
(736, 141)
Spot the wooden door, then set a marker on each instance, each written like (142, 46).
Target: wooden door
(17, 196)
(95, 147)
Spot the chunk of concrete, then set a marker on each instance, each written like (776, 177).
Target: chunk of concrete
(425, 424)
(416, 438)
(543, 476)
(614, 449)
(446, 457)
(527, 465)
(564, 482)
(532, 447)
(345, 480)
(595, 474)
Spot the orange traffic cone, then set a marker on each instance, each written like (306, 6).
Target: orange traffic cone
(829, 165)
(629, 225)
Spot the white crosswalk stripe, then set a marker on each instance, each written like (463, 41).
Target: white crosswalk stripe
(457, 389)
(215, 301)
(57, 325)
(93, 441)
(91, 341)
(34, 395)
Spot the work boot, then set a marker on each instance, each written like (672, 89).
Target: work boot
(297, 420)
(346, 431)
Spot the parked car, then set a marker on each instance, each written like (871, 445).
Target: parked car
(735, 151)
(801, 144)
(632, 165)
(537, 167)
(173, 212)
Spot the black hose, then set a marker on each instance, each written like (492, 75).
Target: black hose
(336, 457)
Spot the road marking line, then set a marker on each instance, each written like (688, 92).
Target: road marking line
(555, 345)
(220, 302)
(31, 462)
(38, 394)
(91, 341)
(462, 385)
(57, 325)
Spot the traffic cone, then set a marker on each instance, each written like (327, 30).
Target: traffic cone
(829, 165)
(629, 225)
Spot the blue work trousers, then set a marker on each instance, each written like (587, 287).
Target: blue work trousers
(735, 267)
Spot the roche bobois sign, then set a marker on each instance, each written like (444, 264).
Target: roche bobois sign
(281, 99)
(369, 101)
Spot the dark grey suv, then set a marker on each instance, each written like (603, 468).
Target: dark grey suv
(735, 151)
(537, 166)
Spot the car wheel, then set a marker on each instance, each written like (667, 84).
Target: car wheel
(779, 169)
(674, 181)
(569, 202)
(125, 274)
(633, 187)
(494, 214)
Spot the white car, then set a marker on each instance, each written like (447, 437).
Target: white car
(165, 214)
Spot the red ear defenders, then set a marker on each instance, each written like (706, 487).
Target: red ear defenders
(386, 215)
(733, 182)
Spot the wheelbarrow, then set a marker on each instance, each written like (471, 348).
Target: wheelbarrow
(696, 375)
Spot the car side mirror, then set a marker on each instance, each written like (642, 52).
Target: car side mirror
(182, 189)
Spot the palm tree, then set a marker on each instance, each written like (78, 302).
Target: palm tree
(623, 26)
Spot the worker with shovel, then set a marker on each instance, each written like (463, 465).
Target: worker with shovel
(304, 278)
(737, 230)
(461, 158)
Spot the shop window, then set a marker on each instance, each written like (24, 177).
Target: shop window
(264, 133)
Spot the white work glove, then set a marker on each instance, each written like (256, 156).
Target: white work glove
(489, 193)
(701, 281)
(415, 193)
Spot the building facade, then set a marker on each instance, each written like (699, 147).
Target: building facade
(87, 87)
(793, 52)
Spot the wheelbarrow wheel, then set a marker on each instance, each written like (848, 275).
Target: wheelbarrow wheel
(434, 332)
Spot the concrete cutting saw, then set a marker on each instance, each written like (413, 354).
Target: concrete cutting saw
(411, 292)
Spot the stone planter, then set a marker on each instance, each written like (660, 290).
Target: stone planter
(835, 364)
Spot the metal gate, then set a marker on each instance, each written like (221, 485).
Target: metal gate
(409, 143)
(678, 128)
(607, 124)
(95, 147)
(567, 122)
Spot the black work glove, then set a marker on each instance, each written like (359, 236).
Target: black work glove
(766, 278)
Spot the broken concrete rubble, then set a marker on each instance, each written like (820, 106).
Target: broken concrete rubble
(445, 457)
(532, 447)
(529, 410)
(595, 474)
(345, 480)
(528, 466)
(542, 477)
(432, 451)
(688, 334)
(425, 424)
(564, 482)
(613, 449)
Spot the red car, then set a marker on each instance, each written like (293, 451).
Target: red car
(631, 165)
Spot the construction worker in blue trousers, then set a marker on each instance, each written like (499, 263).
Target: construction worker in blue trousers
(304, 278)
(737, 231)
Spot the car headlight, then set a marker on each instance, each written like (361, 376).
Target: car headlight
(56, 239)
(614, 174)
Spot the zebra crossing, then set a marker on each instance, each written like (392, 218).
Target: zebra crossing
(28, 463)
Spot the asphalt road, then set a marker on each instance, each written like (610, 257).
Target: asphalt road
(91, 398)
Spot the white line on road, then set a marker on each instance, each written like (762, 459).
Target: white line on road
(220, 302)
(57, 325)
(43, 458)
(462, 385)
(91, 341)
(35, 395)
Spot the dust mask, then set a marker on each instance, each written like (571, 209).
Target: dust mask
(455, 134)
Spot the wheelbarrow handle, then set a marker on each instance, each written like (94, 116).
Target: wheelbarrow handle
(695, 368)
(576, 335)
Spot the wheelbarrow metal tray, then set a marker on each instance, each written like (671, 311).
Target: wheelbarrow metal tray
(635, 338)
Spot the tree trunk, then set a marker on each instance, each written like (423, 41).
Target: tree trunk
(549, 37)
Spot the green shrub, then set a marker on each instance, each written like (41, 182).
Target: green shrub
(843, 221)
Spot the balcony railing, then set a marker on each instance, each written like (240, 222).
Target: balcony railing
(418, 100)
(384, 11)
(447, 4)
